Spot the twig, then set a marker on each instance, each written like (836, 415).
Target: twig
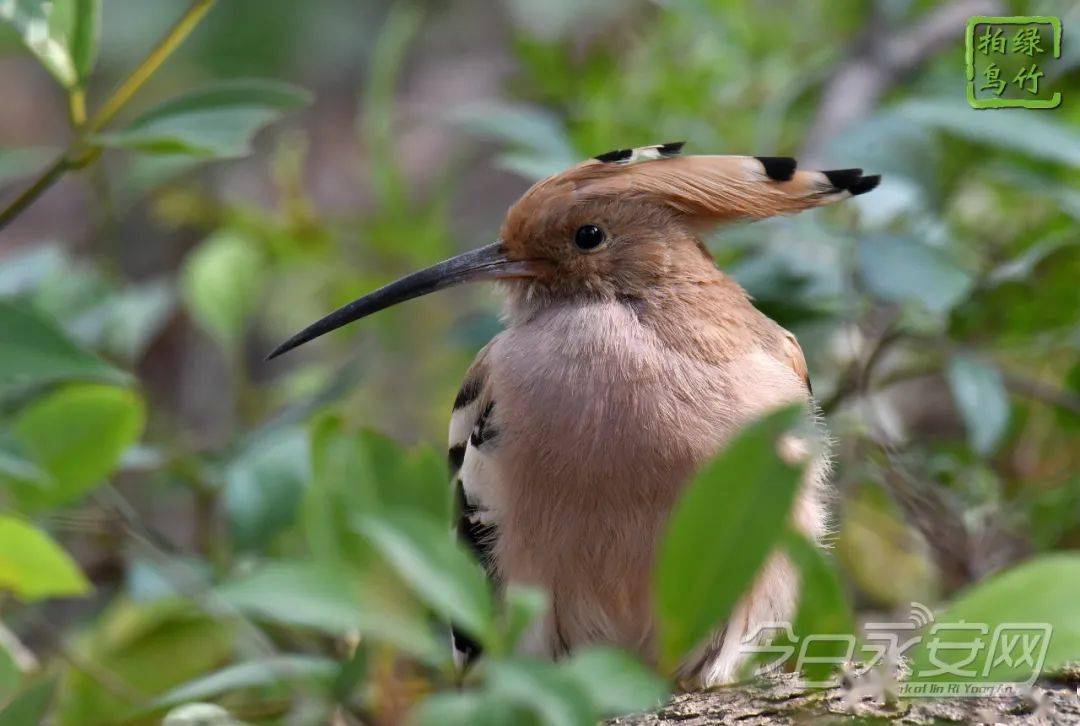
(82, 151)
(889, 54)
(165, 47)
(1044, 392)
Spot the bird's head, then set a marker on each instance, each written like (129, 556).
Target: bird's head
(615, 227)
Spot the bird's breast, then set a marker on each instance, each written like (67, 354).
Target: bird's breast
(600, 425)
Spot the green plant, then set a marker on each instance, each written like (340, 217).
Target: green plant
(274, 541)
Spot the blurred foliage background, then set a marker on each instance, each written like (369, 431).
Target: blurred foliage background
(208, 502)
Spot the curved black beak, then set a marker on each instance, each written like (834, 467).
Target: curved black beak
(486, 263)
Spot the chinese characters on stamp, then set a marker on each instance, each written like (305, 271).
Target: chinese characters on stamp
(1010, 61)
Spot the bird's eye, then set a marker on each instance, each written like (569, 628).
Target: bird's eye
(588, 237)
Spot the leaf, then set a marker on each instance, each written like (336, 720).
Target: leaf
(523, 605)
(214, 122)
(339, 490)
(312, 596)
(221, 282)
(264, 486)
(263, 672)
(720, 533)
(32, 20)
(823, 606)
(438, 570)
(554, 695)
(979, 392)
(1037, 135)
(364, 472)
(36, 352)
(77, 434)
(615, 681)
(10, 676)
(127, 322)
(413, 480)
(33, 566)
(200, 714)
(85, 35)
(149, 649)
(538, 138)
(900, 269)
(464, 708)
(1041, 591)
(30, 706)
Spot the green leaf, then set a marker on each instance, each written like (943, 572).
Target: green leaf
(1037, 135)
(356, 473)
(149, 649)
(721, 531)
(127, 321)
(900, 269)
(85, 35)
(312, 596)
(538, 137)
(200, 714)
(466, 708)
(221, 282)
(215, 122)
(554, 695)
(10, 676)
(402, 480)
(34, 22)
(1042, 591)
(339, 490)
(30, 706)
(36, 352)
(33, 566)
(823, 606)
(616, 682)
(264, 486)
(440, 572)
(263, 672)
(522, 606)
(17, 472)
(77, 434)
(979, 392)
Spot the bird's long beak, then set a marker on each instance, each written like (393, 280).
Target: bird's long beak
(486, 263)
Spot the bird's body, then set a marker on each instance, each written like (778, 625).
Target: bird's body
(628, 361)
(596, 415)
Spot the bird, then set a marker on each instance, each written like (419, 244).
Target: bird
(627, 360)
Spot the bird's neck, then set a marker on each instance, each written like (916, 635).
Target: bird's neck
(709, 317)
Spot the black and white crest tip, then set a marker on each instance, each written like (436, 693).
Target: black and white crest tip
(852, 180)
(778, 168)
(642, 153)
(617, 155)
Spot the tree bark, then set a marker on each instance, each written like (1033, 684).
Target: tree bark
(781, 700)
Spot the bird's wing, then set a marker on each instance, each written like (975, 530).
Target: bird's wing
(473, 438)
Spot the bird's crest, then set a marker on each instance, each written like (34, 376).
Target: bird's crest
(706, 188)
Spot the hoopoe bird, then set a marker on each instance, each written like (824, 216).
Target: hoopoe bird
(627, 360)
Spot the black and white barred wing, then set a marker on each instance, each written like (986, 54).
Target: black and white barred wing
(473, 440)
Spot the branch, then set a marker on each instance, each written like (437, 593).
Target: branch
(81, 153)
(860, 82)
(782, 700)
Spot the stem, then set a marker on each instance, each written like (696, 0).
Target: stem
(165, 47)
(35, 190)
(80, 154)
(77, 107)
